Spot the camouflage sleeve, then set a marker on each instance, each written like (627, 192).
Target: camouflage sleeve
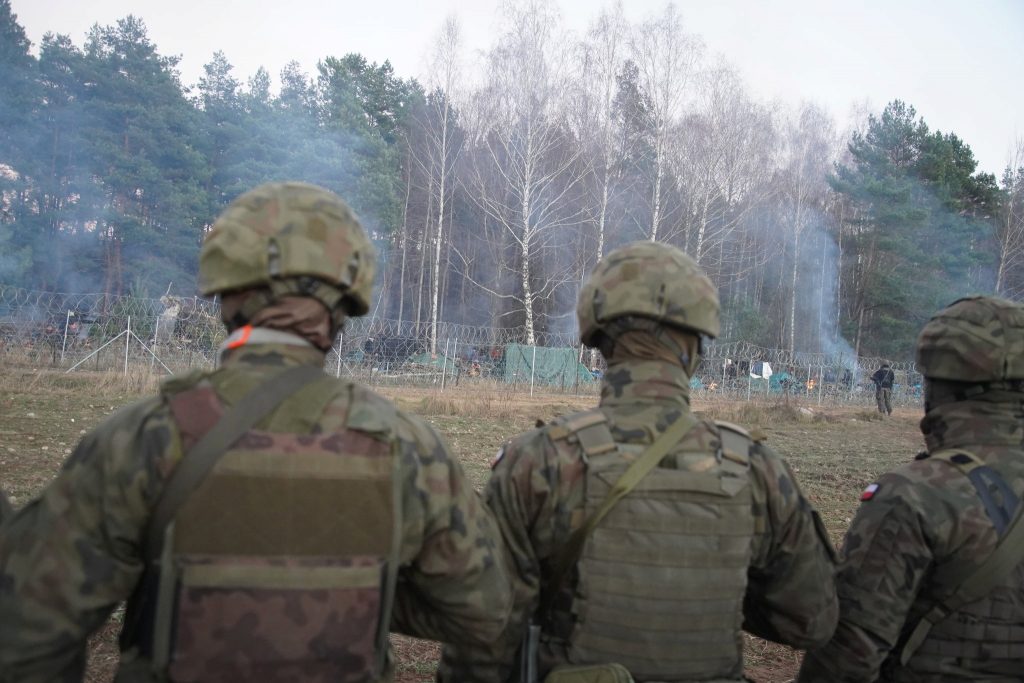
(453, 586)
(68, 557)
(791, 594)
(6, 509)
(885, 558)
(529, 492)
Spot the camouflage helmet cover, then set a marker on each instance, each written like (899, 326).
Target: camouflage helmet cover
(649, 280)
(976, 339)
(283, 231)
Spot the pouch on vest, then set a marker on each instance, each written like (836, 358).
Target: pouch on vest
(983, 628)
(280, 565)
(661, 579)
(598, 673)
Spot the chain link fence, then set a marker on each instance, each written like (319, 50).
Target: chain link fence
(174, 334)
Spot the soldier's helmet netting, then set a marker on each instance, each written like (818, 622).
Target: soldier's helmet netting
(648, 280)
(976, 340)
(290, 238)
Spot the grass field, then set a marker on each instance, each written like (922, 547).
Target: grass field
(835, 453)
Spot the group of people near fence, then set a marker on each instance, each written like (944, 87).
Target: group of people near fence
(267, 522)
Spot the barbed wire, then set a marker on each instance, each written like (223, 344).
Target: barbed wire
(174, 333)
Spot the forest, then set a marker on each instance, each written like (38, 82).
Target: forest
(492, 187)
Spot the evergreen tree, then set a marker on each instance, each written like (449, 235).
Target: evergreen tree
(924, 214)
(19, 104)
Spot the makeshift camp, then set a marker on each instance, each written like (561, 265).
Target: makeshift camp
(559, 367)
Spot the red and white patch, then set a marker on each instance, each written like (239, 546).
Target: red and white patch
(497, 457)
(869, 492)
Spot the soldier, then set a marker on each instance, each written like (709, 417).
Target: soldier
(884, 378)
(265, 521)
(931, 583)
(655, 576)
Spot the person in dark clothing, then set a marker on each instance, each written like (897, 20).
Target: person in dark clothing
(883, 379)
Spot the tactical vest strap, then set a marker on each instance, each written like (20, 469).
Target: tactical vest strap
(202, 457)
(993, 571)
(590, 429)
(736, 443)
(643, 465)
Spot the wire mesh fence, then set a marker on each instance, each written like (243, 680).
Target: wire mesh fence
(174, 334)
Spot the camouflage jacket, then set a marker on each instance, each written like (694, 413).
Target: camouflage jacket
(537, 496)
(920, 516)
(69, 557)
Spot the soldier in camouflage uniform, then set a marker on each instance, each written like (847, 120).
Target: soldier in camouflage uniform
(329, 520)
(716, 540)
(931, 583)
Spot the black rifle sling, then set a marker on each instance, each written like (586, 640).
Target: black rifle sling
(203, 456)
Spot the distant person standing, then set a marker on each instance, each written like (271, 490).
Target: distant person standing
(883, 379)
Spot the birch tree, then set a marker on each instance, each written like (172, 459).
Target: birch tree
(1010, 230)
(602, 55)
(445, 147)
(809, 146)
(667, 59)
(525, 169)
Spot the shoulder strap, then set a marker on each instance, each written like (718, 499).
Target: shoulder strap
(201, 458)
(995, 569)
(646, 462)
(589, 429)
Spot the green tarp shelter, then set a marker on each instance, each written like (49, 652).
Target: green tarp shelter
(554, 366)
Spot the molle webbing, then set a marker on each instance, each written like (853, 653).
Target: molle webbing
(991, 630)
(662, 577)
(279, 563)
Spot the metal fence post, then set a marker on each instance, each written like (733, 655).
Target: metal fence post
(127, 342)
(337, 366)
(533, 369)
(444, 363)
(64, 344)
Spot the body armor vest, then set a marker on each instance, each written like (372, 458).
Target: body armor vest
(984, 638)
(280, 565)
(662, 578)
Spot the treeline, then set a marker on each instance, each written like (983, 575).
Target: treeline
(492, 191)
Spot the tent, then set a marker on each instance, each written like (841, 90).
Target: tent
(551, 366)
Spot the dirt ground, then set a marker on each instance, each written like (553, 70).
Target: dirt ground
(835, 452)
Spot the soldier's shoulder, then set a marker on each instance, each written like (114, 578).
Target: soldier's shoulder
(926, 480)
(128, 437)
(368, 411)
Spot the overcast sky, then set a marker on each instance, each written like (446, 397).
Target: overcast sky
(959, 62)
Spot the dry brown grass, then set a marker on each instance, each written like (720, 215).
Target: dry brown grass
(835, 452)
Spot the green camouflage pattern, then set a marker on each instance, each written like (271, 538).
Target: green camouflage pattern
(978, 339)
(281, 231)
(648, 280)
(69, 557)
(537, 494)
(6, 509)
(924, 515)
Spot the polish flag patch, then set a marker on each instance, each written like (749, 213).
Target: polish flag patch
(498, 457)
(869, 492)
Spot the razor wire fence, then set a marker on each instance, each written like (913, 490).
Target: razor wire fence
(174, 334)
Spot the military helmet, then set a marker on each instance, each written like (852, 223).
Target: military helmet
(648, 280)
(292, 234)
(977, 339)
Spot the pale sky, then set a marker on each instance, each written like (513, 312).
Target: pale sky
(959, 62)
